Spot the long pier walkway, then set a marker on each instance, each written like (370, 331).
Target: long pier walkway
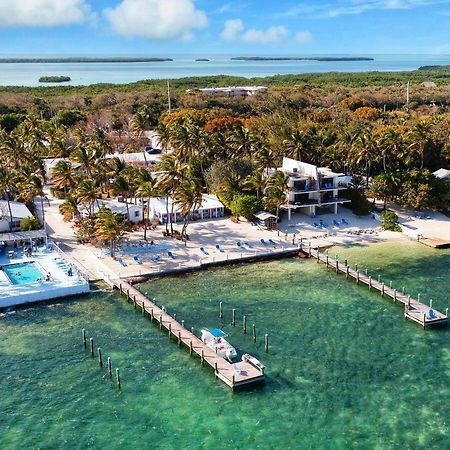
(233, 375)
(414, 309)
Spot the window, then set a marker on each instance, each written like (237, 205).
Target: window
(136, 214)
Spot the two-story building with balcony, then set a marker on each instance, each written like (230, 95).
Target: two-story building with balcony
(312, 190)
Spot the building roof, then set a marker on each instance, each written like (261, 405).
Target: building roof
(208, 202)
(264, 215)
(442, 173)
(130, 158)
(428, 84)
(22, 235)
(114, 205)
(18, 210)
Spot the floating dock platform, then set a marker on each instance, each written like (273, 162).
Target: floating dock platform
(234, 375)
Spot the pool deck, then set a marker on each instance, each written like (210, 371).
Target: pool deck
(48, 261)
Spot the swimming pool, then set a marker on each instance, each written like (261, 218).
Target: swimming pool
(23, 273)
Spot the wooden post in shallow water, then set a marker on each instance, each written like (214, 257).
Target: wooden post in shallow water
(134, 302)
(202, 357)
(83, 332)
(266, 343)
(233, 318)
(370, 283)
(190, 347)
(100, 359)
(118, 378)
(254, 332)
(357, 277)
(192, 331)
(382, 289)
(431, 304)
(91, 346)
(395, 295)
(221, 310)
(182, 323)
(244, 325)
(347, 272)
(337, 266)
(446, 312)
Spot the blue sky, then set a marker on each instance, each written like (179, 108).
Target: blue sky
(168, 27)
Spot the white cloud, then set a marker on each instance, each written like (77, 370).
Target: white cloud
(156, 19)
(347, 7)
(303, 37)
(272, 35)
(42, 13)
(232, 29)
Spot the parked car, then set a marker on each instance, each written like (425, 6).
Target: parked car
(152, 151)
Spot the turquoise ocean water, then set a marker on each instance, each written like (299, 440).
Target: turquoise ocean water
(344, 369)
(186, 66)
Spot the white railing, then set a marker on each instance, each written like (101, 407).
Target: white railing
(54, 246)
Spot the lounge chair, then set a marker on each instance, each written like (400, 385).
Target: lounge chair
(272, 242)
(238, 243)
(263, 242)
(344, 221)
(246, 245)
(204, 251)
(137, 260)
(122, 262)
(316, 225)
(325, 224)
(156, 258)
(218, 248)
(335, 222)
(170, 255)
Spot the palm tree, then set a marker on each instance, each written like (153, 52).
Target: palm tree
(5, 187)
(277, 187)
(86, 193)
(295, 145)
(69, 208)
(241, 141)
(147, 190)
(62, 176)
(167, 183)
(108, 227)
(188, 196)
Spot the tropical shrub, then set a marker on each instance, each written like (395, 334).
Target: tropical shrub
(30, 223)
(389, 221)
(245, 205)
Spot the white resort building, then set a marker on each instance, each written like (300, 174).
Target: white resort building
(132, 213)
(210, 208)
(233, 91)
(19, 211)
(312, 190)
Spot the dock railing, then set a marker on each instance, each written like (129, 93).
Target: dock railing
(54, 246)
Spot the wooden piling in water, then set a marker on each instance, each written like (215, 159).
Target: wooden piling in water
(266, 343)
(221, 310)
(233, 318)
(382, 289)
(202, 358)
(347, 272)
(83, 333)
(446, 312)
(91, 345)
(118, 379)
(254, 332)
(431, 303)
(244, 325)
(370, 283)
(190, 348)
(179, 338)
(109, 367)
(100, 359)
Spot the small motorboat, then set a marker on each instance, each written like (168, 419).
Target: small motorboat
(246, 357)
(215, 339)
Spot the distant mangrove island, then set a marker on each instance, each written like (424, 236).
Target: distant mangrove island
(307, 58)
(202, 59)
(54, 79)
(82, 60)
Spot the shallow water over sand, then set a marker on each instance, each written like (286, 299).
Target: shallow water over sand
(344, 369)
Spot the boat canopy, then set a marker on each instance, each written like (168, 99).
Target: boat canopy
(216, 332)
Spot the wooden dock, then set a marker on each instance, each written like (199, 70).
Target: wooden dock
(234, 375)
(414, 309)
(434, 242)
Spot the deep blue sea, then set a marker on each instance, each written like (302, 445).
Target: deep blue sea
(185, 66)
